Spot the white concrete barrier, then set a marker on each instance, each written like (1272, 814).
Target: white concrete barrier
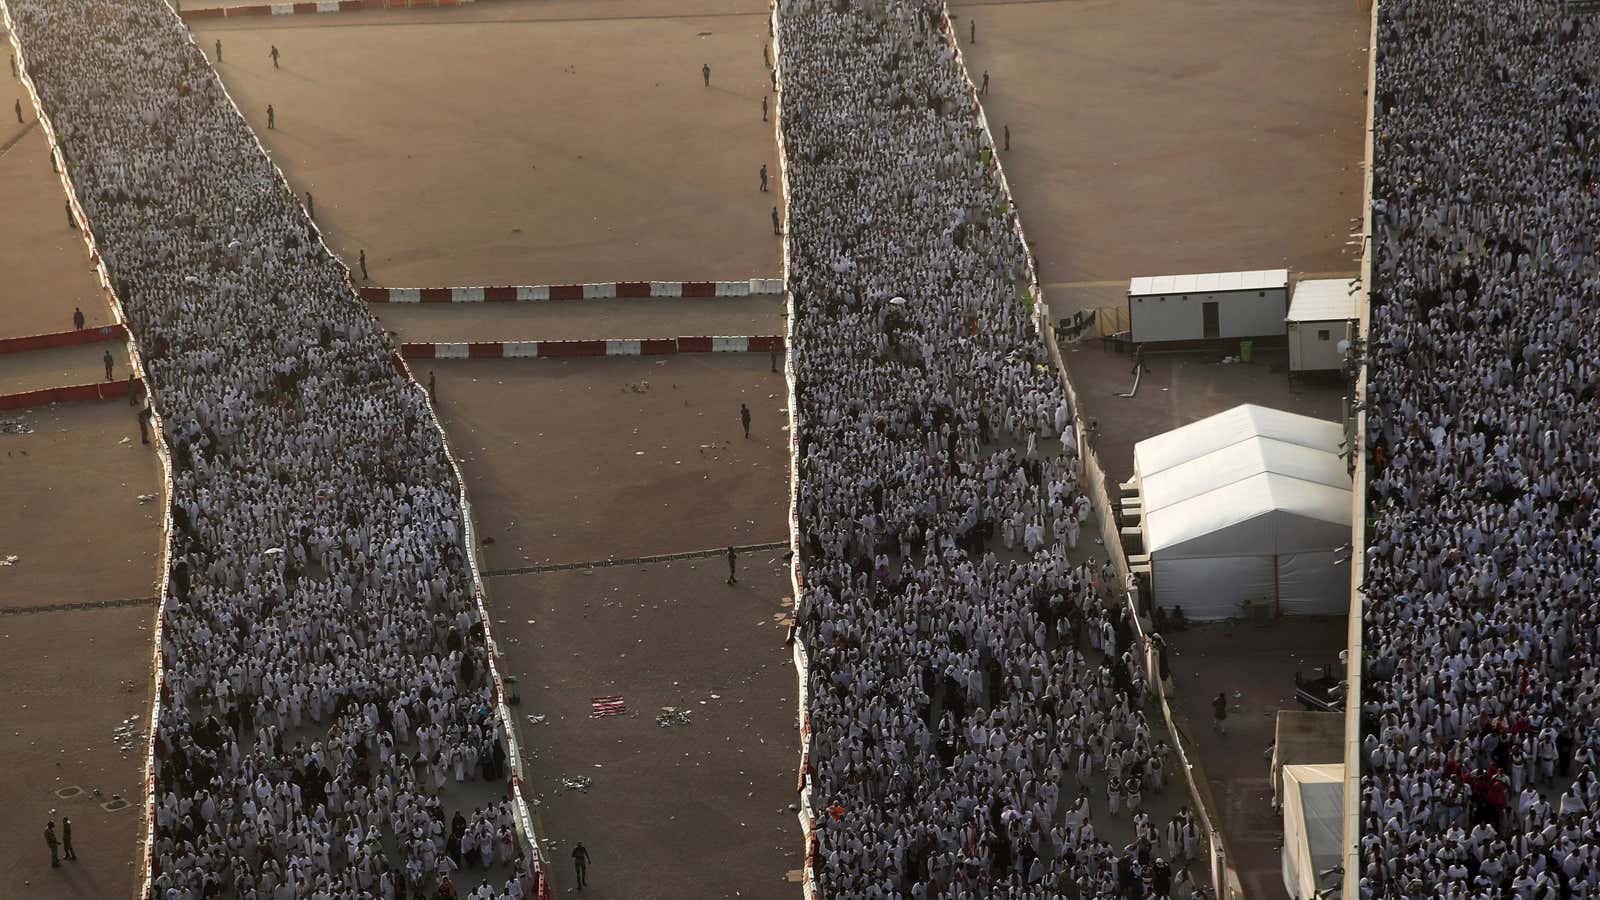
(622, 348)
(450, 351)
(521, 350)
(466, 295)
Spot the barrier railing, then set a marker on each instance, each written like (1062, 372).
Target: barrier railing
(1099, 496)
(1350, 850)
(802, 667)
(157, 429)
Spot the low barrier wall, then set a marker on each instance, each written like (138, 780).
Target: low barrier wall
(54, 339)
(604, 290)
(76, 393)
(802, 668)
(567, 349)
(1350, 853)
(320, 6)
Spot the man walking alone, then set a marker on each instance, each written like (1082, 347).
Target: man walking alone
(580, 865)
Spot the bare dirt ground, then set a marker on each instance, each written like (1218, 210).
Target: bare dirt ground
(698, 809)
(565, 462)
(1158, 137)
(63, 366)
(73, 520)
(1259, 662)
(71, 679)
(584, 319)
(72, 515)
(44, 266)
(519, 150)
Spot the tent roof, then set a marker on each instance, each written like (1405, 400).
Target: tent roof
(1271, 480)
(1232, 426)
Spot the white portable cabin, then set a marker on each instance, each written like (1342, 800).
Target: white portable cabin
(1208, 307)
(1322, 313)
(1246, 508)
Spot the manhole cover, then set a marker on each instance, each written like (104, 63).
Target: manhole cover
(114, 805)
(68, 792)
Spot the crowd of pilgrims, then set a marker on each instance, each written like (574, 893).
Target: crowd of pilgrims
(325, 693)
(1479, 775)
(977, 699)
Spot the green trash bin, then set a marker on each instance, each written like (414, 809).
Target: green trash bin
(1245, 349)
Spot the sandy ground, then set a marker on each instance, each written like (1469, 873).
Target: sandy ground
(71, 679)
(606, 159)
(63, 366)
(72, 515)
(584, 319)
(700, 809)
(566, 463)
(1154, 137)
(44, 266)
(1258, 661)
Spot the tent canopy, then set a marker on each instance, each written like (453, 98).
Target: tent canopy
(1249, 481)
(1313, 822)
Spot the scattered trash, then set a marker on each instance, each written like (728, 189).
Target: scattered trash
(15, 426)
(146, 498)
(538, 720)
(125, 440)
(9, 560)
(671, 715)
(608, 706)
(577, 783)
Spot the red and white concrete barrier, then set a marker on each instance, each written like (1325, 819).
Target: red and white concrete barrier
(567, 349)
(102, 390)
(604, 290)
(319, 6)
(116, 332)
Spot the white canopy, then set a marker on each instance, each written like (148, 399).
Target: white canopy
(1313, 822)
(1246, 506)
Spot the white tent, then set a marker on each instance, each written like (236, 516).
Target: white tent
(1246, 507)
(1313, 819)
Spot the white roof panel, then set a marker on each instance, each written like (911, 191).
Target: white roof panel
(1262, 514)
(1323, 300)
(1178, 446)
(1210, 283)
(1249, 480)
